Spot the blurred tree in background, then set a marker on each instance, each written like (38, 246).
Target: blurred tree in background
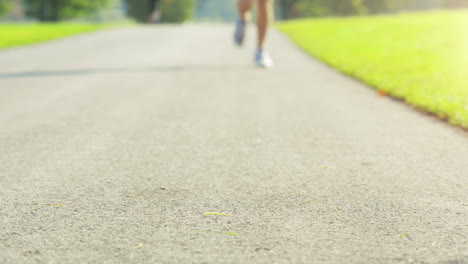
(141, 10)
(173, 11)
(4, 6)
(170, 11)
(303, 8)
(55, 10)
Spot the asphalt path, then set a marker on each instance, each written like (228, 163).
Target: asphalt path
(116, 145)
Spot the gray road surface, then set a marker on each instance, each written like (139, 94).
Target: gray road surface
(115, 144)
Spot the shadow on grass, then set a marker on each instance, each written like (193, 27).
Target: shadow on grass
(149, 69)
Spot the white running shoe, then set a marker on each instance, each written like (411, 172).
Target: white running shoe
(263, 59)
(239, 33)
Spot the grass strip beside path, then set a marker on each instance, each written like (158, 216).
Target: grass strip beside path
(421, 58)
(12, 35)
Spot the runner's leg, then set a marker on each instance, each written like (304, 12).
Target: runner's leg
(265, 18)
(244, 7)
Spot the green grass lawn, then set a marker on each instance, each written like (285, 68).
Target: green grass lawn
(12, 35)
(420, 57)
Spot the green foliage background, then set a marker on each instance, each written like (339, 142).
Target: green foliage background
(55, 10)
(139, 10)
(306, 8)
(4, 6)
(172, 11)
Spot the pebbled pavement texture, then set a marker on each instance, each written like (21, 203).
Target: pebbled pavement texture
(115, 144)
